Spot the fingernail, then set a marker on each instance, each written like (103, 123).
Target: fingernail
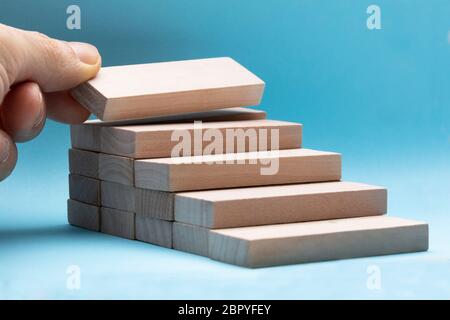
(42, 114)
(86, 53)
(4, 148)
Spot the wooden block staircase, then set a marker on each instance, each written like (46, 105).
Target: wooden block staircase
(166, 166)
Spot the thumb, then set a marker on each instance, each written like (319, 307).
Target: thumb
(55, 65)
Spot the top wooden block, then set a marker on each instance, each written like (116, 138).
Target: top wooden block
(156, 89)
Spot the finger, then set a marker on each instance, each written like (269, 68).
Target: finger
(60, 65)
(63, 108)
(55, 65)
(23, 112)
(8, 155)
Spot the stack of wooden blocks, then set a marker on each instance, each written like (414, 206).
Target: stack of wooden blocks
(126, 181)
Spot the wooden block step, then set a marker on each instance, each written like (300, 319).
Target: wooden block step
(118, 196)
(118, 223)
(116, 169)
(155, 89)
(237, 170)
(150, 203)
(158, 141)
(138, 141)
(83, 215)
(84, 189)
(190, 238)
(83, 163)
(154, 231)
(317, 241)
(86, 136)
(227, 208)
(155, 204)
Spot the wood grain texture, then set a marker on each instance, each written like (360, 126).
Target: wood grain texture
(245, 169)
(190, 238)
(155, 204)
(85, 136)
(116, 169)
(154, 231)
(83, 215)
(84, 163)
(150, 203)
(317, 241)
(156, 89)
(84, 189)
(227, 208)
(118, 196)
(118, 223)
(155, 141)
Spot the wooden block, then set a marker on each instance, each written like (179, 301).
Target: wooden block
(118, 196)
(190, 238)
(84, 189)
(145, 202)
(155, 89)
(158, 141)
(118, 223)
(155, 204)
(85, 136)
(116, 169)
(317, 241)
(83, 163)
(83, 215)
(244, 169)
(154, 231)
(253, 206)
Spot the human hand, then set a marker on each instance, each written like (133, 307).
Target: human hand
(36, 73)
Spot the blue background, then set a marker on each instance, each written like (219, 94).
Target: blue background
(381, 97)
